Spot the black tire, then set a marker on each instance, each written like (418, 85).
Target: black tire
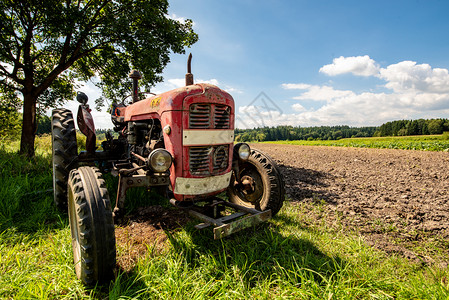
(91, 226)
(64, 153)
(268, 184)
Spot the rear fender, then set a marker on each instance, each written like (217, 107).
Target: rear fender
(87, 127)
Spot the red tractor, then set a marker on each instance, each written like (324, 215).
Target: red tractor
(179, 144)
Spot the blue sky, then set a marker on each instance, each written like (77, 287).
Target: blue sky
(313, 63)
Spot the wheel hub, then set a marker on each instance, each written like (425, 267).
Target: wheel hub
(251, 186)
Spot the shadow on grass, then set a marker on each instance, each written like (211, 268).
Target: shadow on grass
(126, 284)
(261, 253)
(256, 256)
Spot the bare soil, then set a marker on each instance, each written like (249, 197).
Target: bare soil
(395, 199)
(145, 231)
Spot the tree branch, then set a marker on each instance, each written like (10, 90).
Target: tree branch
(10, 36)
(87, 4)
(65, 63)
(8, 51)
(94, 20)
(21, 14)
(68, 37)
(66, 47)
(86, 33)
(13, 75)
(5, 72)
(9, 86)
(61, 68)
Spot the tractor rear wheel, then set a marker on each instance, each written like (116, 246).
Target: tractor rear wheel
(91, 226)
(64, 153)
(263, 186)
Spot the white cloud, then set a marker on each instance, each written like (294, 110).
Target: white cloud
(231, 90)
(210, 81)
(413, 91)
(298, 107)
(182, 20)
(355, 110)
(296, 86)
(89, 89)
(9, 68)
(416, 91)
(357, 65)
(407, 75)
(180, 82)
(175, 83)
(257, 116)
(322, 93)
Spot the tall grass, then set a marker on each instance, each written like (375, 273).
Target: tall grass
(291, 257)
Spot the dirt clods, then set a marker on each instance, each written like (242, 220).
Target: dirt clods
(393, 198)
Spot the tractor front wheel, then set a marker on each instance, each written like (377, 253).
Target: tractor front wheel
(261, 186)
(91, 226)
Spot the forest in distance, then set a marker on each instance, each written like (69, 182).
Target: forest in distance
(393, 128)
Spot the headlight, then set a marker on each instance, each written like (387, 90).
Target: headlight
(160, 160)
(243, 151)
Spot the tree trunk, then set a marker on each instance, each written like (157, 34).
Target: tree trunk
(29, 125)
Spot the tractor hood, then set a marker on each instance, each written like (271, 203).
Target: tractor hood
(155, 106)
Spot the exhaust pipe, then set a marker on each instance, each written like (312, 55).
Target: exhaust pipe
(135, 76)
(189, 75)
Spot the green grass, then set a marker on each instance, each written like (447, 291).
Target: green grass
(291, 257)
(424, 142)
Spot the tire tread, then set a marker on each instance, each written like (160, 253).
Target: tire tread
(64, 153)
(95, 225)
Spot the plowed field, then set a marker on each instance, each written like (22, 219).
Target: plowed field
(393, 198)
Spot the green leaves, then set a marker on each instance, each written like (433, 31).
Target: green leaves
(40, 40)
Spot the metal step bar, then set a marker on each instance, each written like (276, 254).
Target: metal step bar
(244, 217)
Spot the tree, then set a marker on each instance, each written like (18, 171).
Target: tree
(260, 137)
(9, 115)
(402, 132)
(435, 126)
(47, 46)
(413, 128)
(43, 124)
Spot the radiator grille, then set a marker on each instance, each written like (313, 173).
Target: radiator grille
(199, 116)
(222, 113)
(199, 160)
(220, 158)
(209, 116)
(210, 160)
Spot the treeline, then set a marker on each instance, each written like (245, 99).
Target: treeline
(413, 127)
(281, 133)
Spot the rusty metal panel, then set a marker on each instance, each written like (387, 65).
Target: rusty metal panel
(87, 127)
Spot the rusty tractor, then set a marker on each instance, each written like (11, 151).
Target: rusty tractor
(179, 144)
